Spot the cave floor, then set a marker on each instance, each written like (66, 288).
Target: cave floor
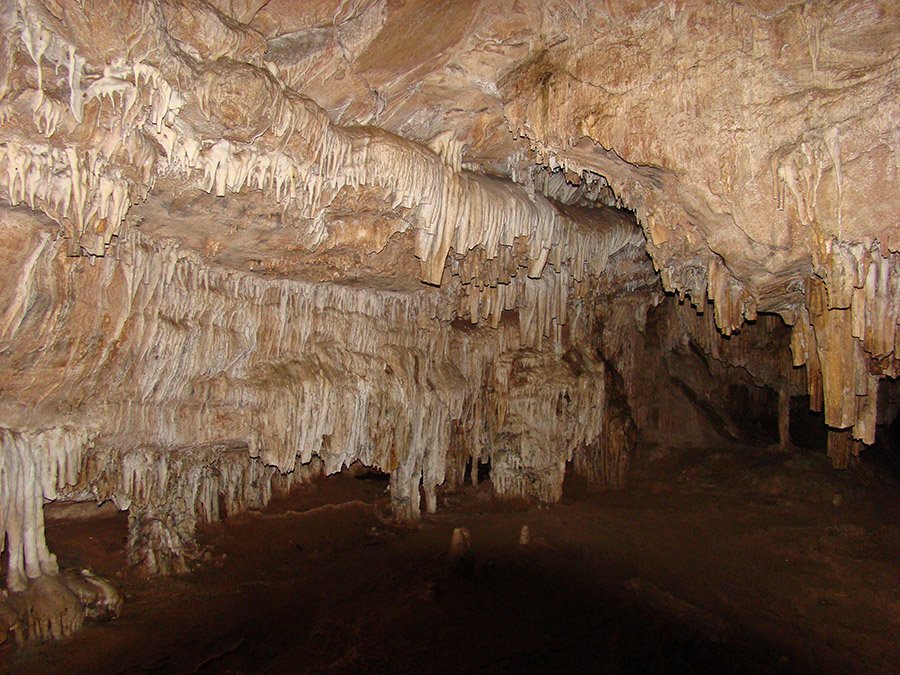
(734, 560)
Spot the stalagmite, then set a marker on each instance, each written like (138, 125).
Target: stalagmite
(784, 419)
(460, 543)
(53, 607)
(524, 536)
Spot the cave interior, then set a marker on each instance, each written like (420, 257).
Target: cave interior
(483, 335)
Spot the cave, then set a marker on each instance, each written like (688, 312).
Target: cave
(464, 336)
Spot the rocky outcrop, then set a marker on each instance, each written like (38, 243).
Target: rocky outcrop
(52, 607)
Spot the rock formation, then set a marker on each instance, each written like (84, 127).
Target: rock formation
(245, 242)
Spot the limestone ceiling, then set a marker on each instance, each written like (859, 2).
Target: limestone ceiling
(756, 142)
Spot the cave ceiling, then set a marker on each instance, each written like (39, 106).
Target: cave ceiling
(747, 137)
(756, 142)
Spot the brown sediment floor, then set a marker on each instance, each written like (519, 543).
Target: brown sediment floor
(738, 560)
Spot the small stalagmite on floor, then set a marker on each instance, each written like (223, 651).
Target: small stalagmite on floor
(524, 536)
(460, 543)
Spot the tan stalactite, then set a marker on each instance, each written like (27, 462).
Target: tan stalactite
(848, 341)
(34, 466)
(837, 356)
(292, 372)
(297, 154)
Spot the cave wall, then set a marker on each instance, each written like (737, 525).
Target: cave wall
(756, 142)
(144, 359)
(687, 385)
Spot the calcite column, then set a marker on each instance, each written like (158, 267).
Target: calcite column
(843, 449)
(784, 419)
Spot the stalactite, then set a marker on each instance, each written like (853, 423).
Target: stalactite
(168, 492)
(295, 153)
(291, 374)
(847, 338)
(845, 326)
(34, 466)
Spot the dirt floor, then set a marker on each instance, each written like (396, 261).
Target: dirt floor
(739, 560)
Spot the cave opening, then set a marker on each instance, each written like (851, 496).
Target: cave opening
(397, 336)
(4, 558)
(808, 428)
(373, 475)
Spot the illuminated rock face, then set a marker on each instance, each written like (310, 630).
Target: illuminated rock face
(757, 144)
(248, 241)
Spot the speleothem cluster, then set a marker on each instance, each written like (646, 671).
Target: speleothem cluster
(245, 242)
